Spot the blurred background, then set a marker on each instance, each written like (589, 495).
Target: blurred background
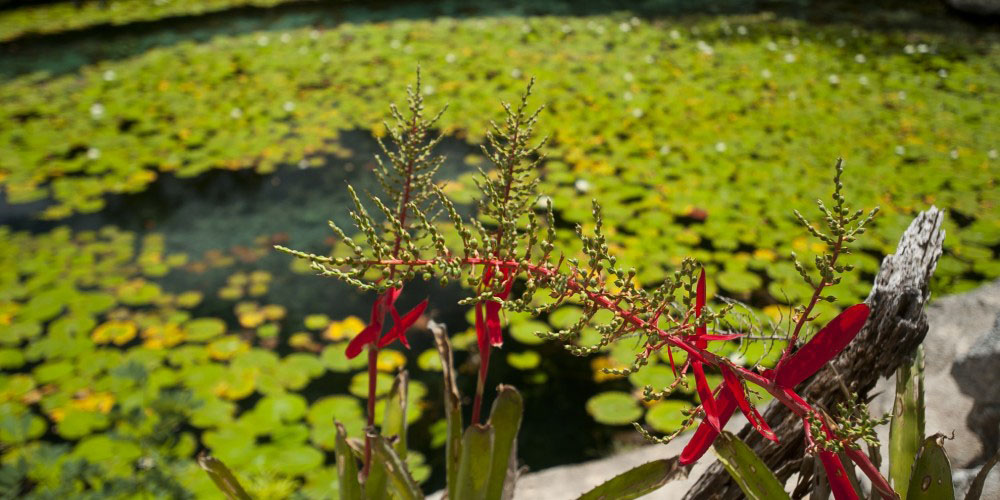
(152, 152)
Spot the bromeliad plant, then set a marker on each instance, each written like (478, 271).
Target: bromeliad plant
(510, 244)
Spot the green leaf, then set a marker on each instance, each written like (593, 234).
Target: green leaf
(931, 475)
(347, 467)
(750, 473)
(336, 361)
(452, 408)
(639, 481)
(614, 408)
(399, 476)
(203, 329)
(665, 416)
(394, 419)
(524, 331)
(526, 360)
(906, 430)
(505, 418)
(475, 464)
(222, 477)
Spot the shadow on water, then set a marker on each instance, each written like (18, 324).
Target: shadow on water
(68, 51)
(233, 211)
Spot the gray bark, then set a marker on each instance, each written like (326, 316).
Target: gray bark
(895, 327)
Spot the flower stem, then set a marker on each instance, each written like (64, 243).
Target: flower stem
(372, 374)
(477, 402)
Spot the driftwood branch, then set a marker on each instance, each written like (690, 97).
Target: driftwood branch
(895, 328)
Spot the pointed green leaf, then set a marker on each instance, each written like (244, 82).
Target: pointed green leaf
(222, 477)
(394, 421)
(639, 481)
(401, 481)
(475, 464)
(931, 475)
(906, 430)
(508, 409)
(347, 467)
(452, 407)
(750, 473)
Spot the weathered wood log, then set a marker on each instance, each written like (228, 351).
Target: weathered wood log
(896, 326)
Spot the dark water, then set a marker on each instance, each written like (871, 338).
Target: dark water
(232, 212)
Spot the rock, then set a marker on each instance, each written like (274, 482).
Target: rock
(962, 480)
(978, 370)
(976, 373)
(571, 481)
(956, 323)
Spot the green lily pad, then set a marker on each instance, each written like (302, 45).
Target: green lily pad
(11, 358)
(666, 416)
(526, 360)
(565, 316)
(614, 408)
(296, 370)
(359, 384)
(336, 361)
(428, 360)
(203, 329)
(524, 331)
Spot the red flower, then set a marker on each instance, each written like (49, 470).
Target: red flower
(489, 330)
(705, 435)
(836, 475)
(370, 335)
(701, 383)
(753, 416)
(823, 347)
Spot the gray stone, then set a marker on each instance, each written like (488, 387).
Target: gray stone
(978, 371)
(956, 322)
(962, 480)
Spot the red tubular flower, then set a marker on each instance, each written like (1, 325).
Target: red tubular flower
(401, 325)
(493, 329)
(866, 466)
(840, 484)
(836, 475)
(705, 435)
(823, 347)
(704, 391)
(385, 303)
(736, 389)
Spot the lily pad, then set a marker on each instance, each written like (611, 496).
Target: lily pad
(666, 416)
(614, 408)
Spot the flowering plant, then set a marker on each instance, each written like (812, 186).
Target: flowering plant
(509, 243)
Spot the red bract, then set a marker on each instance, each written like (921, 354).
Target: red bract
(836, 475)
(704, 391)
(736, 389)
(823, 347)
(400, 325)
(840, 484)
(866, 466)
(706, 434)
(493, 331)
(370, 335)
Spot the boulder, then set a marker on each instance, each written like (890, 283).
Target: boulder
(978, 370)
